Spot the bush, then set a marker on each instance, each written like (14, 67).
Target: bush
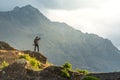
(65, 73)
(82, 71)
(90, 78)
(67, 66)
(4, 64)
(35, 64)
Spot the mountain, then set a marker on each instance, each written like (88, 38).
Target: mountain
(59, 41)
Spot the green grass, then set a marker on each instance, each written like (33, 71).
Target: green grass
(35, 64)
(82, 71)
(4, 64)
(68, 67)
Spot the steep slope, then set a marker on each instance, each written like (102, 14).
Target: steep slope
(59, 41)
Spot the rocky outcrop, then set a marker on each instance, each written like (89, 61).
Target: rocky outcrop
(9, 55)
(18, 71)
(15, 71)
(40, 57)
(18, 68)
(54, 73)
(5, 46)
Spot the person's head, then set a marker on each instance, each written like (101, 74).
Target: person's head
(36, 37)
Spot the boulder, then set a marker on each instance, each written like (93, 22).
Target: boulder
(40, 57)
(15, 71)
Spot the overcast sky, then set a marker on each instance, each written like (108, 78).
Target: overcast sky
(101, 17)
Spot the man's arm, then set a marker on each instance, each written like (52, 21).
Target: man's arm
(39, 38)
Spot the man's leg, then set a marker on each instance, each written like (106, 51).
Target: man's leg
(35, 48)
(38, 48)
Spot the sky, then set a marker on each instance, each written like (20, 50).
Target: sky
(101, 17)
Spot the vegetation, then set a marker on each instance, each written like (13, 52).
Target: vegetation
(4, 64)
(90, 78)
(82, 71)
(65, 73)
(35, 64)
(66, 68)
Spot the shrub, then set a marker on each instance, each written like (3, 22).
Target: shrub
(82, 71)
(65, 73)
(67, 66)
(35, 64)
(90, 78)
(4, 64)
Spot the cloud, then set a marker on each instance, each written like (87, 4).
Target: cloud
(10, 4)
(103, 20)
(70, 4)
(51, 4)
(6, 5)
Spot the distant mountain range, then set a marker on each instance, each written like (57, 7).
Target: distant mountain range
(59, 42)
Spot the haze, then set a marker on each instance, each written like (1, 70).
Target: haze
(100, 17)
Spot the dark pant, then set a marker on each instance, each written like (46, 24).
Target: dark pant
(36, 46)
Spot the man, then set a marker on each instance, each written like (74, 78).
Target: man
(36, 44)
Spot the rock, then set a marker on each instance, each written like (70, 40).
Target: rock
(5, 46)
(9, 56)
(19, 69)
(15, 71)
(40, 57)
(54, 73)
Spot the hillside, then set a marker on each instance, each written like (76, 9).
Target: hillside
(9, 54)
(20, 68)
(59, 41)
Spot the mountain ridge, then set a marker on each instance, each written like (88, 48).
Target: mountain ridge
(95, 53)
